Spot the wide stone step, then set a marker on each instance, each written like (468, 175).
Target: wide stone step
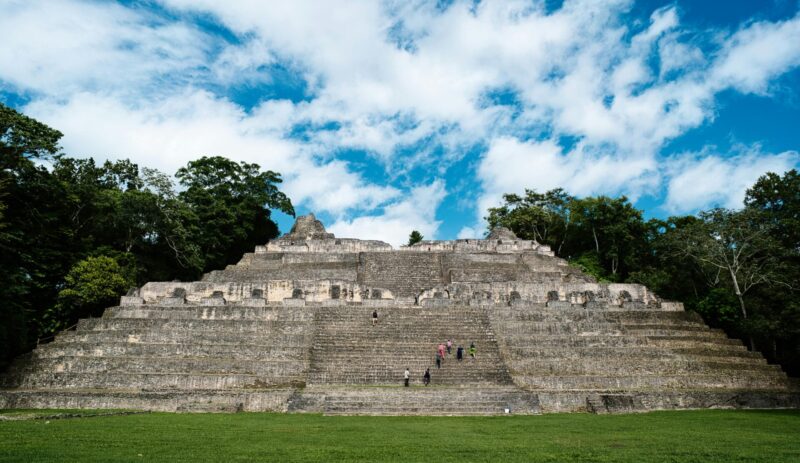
(210, 313)
(599, 353)
(147, 365)
(432, 400)
(419, 365)
(393, 378)
(532, 329)
(171, 400)
(394, 351)
(184, 337)
(403, 323)
(542, 315)
(546, 325)
(678, 340)
(238, 326)
(196, 350)
(741, 380)
(72, 380)
(345, 272)
(590, 340)
(633, 365)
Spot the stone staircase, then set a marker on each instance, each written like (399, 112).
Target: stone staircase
(448, 401)
(403, 273)
(347, 349)
(582, 352)
(217, 358)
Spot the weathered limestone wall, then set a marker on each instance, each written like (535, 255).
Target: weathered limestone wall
(273, 291)
(480, 246)
(327, 245)
(630, 296)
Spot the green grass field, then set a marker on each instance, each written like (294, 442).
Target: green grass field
(688, 436)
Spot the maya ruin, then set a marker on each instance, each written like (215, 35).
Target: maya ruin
(289, 329)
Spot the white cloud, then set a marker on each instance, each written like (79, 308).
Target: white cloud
(187, 126)
(510, 166)
(756, 54)
(415, 212)
(67, 46)
(703, 180)
(403, 81)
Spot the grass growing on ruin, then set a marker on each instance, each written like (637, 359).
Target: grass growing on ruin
(694, 436)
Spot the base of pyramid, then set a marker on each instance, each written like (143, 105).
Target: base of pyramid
(391, 400)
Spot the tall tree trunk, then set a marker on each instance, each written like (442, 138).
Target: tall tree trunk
(563, 239)
(596, 242)
(750, 342)
(742, 307)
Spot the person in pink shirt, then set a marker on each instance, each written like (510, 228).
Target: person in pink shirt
(449, 346)
(441, 350)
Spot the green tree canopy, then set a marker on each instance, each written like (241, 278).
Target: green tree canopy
(232, 201)
(90, 286)
(24, 137)
(610, 229)
(414, 238)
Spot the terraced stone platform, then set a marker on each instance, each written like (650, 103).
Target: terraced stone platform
(289, 328)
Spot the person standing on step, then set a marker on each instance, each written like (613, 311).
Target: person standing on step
(472, 350)
(374, 317)
(449, 346)
(460, 353)
(441, 351)
(438, 360)
(406, 376)
(426, 378)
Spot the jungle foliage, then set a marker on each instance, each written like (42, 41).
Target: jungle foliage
(75, 235)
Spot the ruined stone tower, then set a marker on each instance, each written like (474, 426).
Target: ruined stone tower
(289, 328)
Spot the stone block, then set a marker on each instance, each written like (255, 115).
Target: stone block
(436, 302)
(172, 301)
(378, 302)
(672, 306)
(131, 300)
(595, 305)
(254, 302)
(559, 305)
(294, 302)
(634, 305)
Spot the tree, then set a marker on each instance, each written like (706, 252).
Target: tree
(545, 218)
(778, 197)
(606, 234)
(74, 234)
(90, 286)
(232, 201)
(29, 201)
(733, 248)
(22, 137)
(613, 229)
(664, 271)
(414, 238)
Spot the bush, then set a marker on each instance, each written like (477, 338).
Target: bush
(90, 286)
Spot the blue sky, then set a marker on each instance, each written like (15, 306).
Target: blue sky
(384, 117)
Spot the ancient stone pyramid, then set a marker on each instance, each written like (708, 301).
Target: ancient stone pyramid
(289, 328)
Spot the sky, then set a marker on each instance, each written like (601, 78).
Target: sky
(387, 117)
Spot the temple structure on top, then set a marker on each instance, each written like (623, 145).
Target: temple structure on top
(288, 328)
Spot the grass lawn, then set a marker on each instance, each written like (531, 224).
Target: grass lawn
(688, 436)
